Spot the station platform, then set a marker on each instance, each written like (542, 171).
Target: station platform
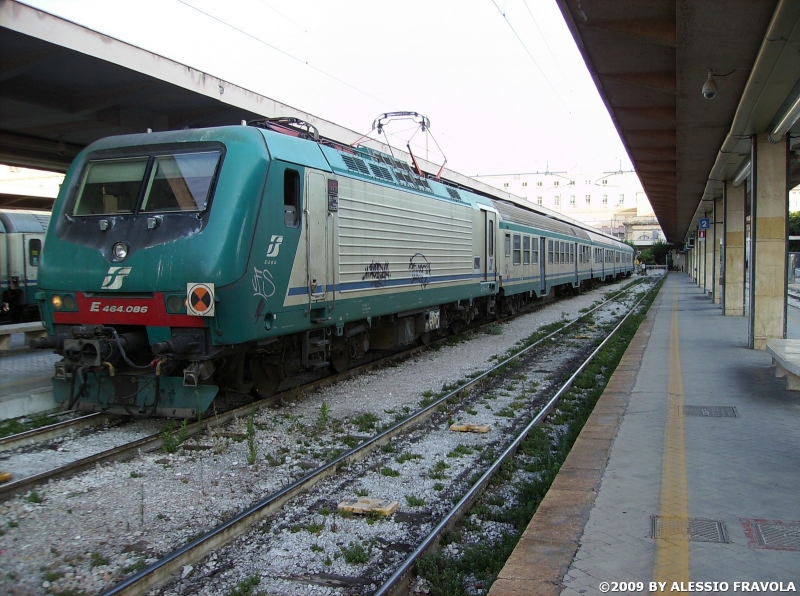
(688, 470)
(25, 386)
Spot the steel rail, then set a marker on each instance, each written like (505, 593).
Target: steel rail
(52, 431)
(162, 570)
(396, 582)
(155, 441)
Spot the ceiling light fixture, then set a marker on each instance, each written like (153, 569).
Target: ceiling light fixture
(786, 117)
(742, 173)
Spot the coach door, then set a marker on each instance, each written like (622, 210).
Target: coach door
(32, 249)
(488, 264)
(542, 261)
(574, 257)
(319, 237)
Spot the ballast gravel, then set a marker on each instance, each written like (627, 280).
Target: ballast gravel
(83, 534)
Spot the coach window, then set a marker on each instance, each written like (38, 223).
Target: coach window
(517, 250)
(526, 250)
(549, 252)
(491, 240)
(34, 251)
(291, 198)
(534, 251)
(571, 252)
(508, 245)
(563, 252)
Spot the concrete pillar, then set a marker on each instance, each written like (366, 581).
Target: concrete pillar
(733, 267)
(708, 278)
(768, 222)
(701, 261)
(719, 244)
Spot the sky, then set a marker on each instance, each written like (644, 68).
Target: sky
(502, 82)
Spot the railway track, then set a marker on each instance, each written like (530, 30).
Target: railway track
(156, 440)
(52, 431)
(183, 558)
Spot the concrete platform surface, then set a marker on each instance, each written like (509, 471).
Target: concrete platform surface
(25, 387)
(688, 470)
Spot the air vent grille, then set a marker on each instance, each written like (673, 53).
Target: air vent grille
(453, 193)
(381, 172)
(355, 164)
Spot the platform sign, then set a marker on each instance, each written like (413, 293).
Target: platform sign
(701, 234)
(705, 223)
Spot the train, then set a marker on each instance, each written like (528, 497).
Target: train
(22, 234)
(183, 265)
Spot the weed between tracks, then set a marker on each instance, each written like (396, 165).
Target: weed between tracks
(471, 557)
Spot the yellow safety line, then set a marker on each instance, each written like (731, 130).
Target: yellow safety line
(672, 559)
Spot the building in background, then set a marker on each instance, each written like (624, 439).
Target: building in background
(23, 188)
(612, 202)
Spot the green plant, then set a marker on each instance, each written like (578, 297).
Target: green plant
(460, 450)
(387, 471)
(437, 472)
(438, 486)
(366, 421)
(246, 586)
(414, 501)
(52, 576)
(324, 416)
(97, 560)
(404, 457)
(169, 443)
(355, 554)
(33, 497)
(350, 441)
(316, 548)
(137, 566)
(362, 492)
(252, 446)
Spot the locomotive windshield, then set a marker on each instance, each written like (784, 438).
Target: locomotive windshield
(176, 182)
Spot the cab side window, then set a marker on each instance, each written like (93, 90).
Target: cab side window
(291, 198)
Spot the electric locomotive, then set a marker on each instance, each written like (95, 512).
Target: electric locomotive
(183, 263)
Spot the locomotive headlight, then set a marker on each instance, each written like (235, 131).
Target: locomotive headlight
(120, 251)
(56, 302)
(175, 303)
(69, 302)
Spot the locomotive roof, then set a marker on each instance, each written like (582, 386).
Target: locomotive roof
(520, 215)
(30, 222)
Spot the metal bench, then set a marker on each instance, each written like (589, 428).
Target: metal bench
(786, 358)
(31, 331)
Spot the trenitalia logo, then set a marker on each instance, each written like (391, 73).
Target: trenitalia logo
(114, 278)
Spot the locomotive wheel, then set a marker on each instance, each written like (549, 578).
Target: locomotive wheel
(340, 360)
(266, 377)
(425, 338)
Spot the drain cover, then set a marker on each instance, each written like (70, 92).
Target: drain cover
(712, 411)
(772, 534)
(696, 530)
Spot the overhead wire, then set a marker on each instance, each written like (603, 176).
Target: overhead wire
(284, 52)
(544, 39)
(527, 51)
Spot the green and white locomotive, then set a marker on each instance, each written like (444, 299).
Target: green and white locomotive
(181, 264)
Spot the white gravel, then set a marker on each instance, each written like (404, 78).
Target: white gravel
(90, 530)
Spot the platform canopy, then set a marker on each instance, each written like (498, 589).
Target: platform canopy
(63, 86)
(649, 61)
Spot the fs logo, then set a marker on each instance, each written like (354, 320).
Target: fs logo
(115, 277)
(274, 246)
